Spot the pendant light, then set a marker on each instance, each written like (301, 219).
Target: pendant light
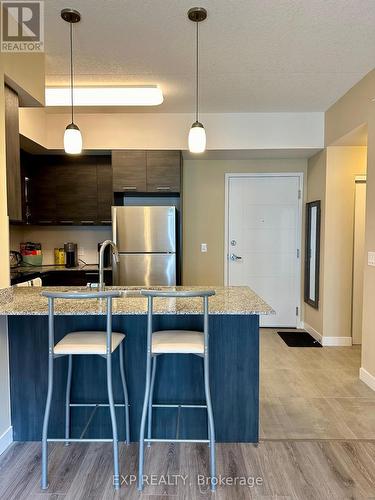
(197, 134)
(72, 135)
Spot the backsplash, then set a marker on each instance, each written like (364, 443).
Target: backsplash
(87, 239)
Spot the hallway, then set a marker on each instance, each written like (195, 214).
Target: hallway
(313, 393)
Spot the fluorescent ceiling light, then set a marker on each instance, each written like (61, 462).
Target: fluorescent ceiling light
(105, 96)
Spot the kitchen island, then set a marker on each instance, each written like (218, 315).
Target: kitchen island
(234, 364)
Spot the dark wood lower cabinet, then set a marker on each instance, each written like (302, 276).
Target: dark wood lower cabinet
(74, 278)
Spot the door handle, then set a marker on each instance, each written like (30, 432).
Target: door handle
(235, 257)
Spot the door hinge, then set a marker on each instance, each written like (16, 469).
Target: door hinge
(297, 310)
(297, 253)
(299, 194)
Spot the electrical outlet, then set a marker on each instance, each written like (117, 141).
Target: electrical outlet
(81, 252)
(203, 247)
(371, 259)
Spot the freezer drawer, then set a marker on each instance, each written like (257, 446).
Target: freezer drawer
(144, 229)
(145, 269)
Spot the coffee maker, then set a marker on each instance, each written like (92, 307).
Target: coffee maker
(71, 254)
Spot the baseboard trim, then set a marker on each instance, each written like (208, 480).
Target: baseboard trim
(337, 341)
(367, 378)
(328, 341)
(317, 336)
(6, 439)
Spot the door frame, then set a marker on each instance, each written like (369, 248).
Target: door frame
(300, 176)
(359, 179)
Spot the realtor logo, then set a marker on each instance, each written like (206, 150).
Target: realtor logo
(22, 26)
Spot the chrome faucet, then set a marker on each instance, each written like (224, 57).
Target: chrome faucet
(101, 260)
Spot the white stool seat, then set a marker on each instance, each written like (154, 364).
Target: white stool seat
(178, 342)
(88, 342)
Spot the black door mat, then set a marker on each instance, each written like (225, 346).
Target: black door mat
(299, 339)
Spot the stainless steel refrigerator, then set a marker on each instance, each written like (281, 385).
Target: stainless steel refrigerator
(146, 241)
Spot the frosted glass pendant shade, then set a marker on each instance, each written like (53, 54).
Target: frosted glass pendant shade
(197, 138)
(72, 140)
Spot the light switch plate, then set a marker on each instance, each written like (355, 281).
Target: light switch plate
(203, 247)
(371, 258)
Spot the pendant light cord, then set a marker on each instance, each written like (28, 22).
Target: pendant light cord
(71, 66)
(197, 75)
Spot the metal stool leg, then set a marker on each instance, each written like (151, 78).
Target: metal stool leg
(45, 423)
(67, 399)
(116, 474)
(210, 423)
(150, 400)
(143, 423)
(125, 391)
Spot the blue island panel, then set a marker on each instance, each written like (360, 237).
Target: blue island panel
(234, 372)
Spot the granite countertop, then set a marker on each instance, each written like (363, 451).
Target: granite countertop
(228, 300)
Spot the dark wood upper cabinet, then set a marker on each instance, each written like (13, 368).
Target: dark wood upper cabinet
(146, 171)
(76, 191)
(163, 171)
(42, 192)
(105, 193)
(70, 191)
(129, 171)
(80, 190)
(13, 165)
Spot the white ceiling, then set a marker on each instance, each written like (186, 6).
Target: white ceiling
(256, 55)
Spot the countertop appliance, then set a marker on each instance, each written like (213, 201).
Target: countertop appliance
(146, 240)
(71, 254)
(15, 259)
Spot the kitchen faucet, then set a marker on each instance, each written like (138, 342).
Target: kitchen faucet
(101, 260)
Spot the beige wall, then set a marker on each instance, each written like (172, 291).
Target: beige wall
(27, 72)
(204, 210)
(316, 190)
(343, 164)
(368, 332)
(353, 109)
(87, 239)
(225, 131)
(331, 179)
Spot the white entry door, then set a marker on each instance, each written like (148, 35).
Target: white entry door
(263, 241)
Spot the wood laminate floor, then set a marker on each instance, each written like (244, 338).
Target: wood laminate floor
(313, 393)
(318, 442)
(299, 470)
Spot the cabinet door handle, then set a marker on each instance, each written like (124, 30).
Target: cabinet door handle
(66, 221)
(87, 222)
(106, 221)
(44, 221)
(163, 188)
(129, 188)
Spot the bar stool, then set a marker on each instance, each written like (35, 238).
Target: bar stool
(101, 343)
(175, 342)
